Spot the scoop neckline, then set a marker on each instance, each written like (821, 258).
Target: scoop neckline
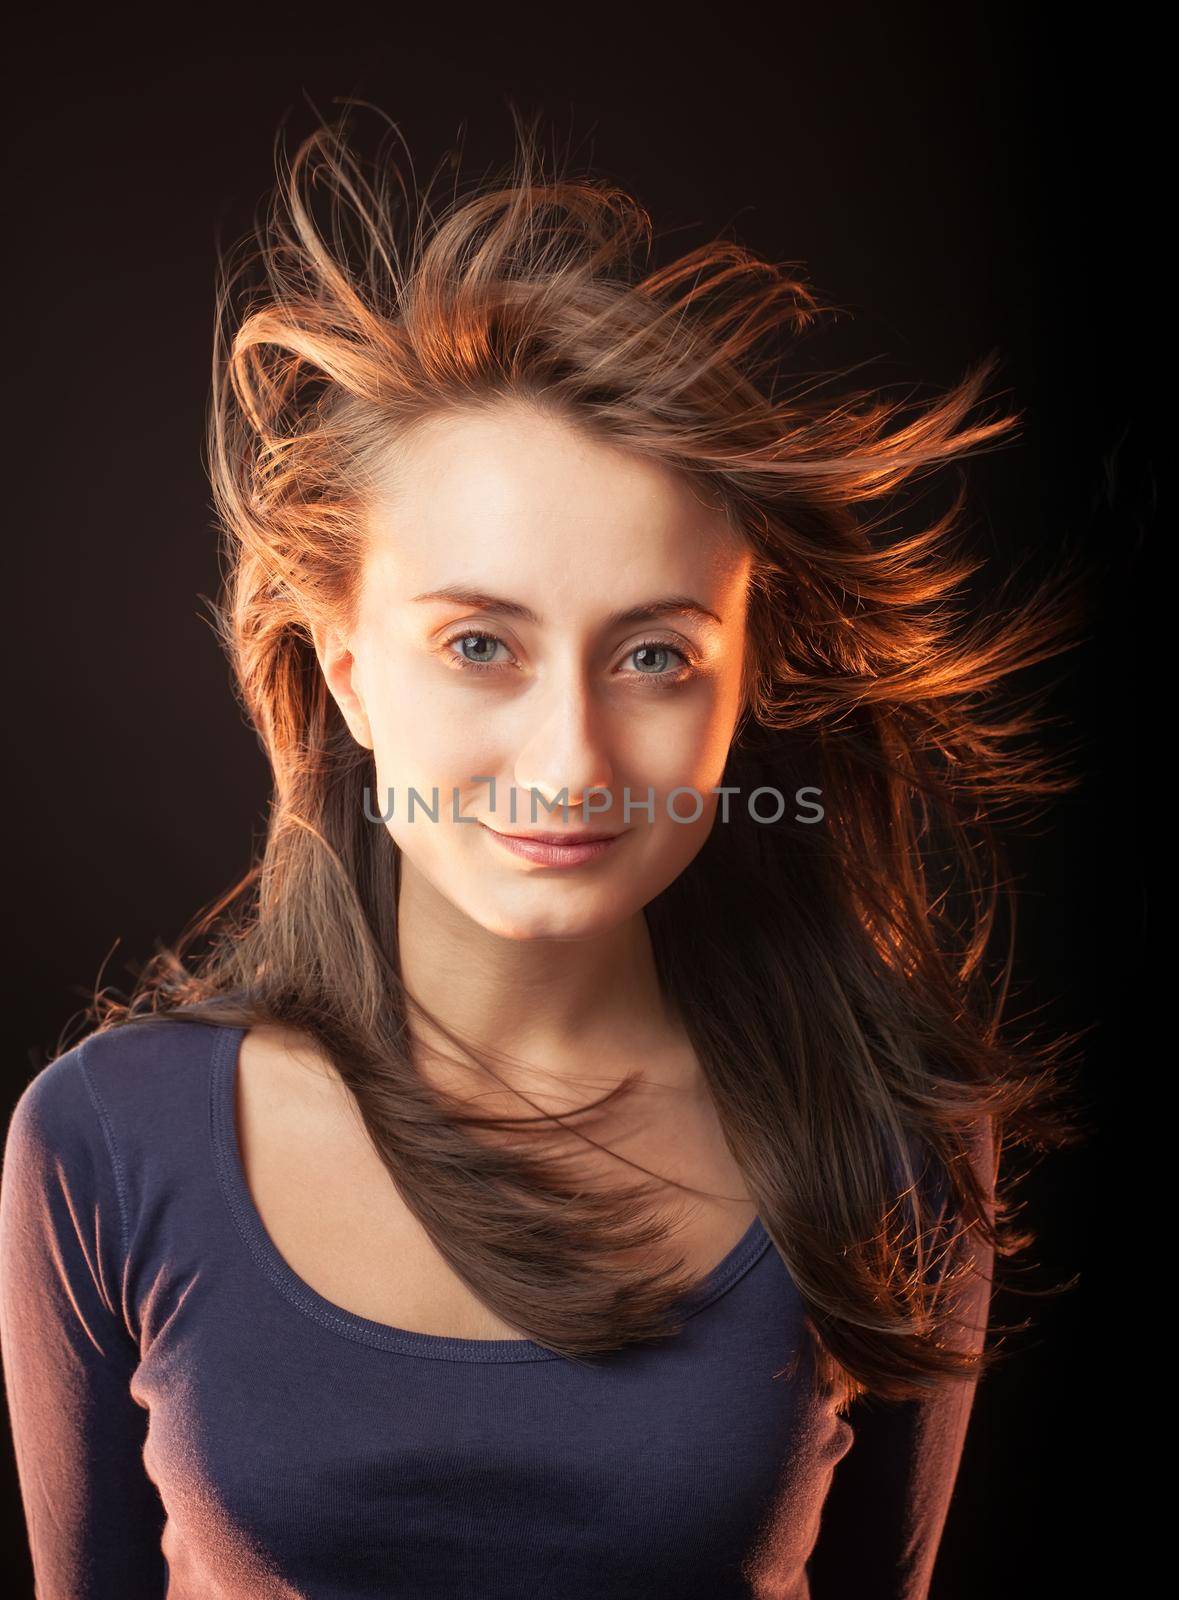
(381, 1335)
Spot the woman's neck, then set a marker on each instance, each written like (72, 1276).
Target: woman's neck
(586, 1011)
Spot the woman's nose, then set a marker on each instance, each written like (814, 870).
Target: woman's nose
(565, 751)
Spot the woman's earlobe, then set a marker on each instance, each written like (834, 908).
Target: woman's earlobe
(353, 712)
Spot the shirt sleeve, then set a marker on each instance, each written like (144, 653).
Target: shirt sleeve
(94, 1518)
(884, 1515)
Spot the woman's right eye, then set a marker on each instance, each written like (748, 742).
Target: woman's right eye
(476, 651)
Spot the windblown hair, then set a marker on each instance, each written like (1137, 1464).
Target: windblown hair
(837, 981)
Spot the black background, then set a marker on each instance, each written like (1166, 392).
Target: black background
(957, 180)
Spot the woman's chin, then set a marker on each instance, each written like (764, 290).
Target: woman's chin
(526, 924)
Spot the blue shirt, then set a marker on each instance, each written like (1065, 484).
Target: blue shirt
(192, 1420)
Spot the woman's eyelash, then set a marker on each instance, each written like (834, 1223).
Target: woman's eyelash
(660, 678)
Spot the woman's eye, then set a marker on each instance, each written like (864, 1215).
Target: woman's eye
(475, 649)
(656, 660)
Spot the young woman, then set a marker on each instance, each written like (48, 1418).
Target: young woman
(633, 813)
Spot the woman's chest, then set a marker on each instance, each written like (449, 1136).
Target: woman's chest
(334, 1214)
(286, 1448)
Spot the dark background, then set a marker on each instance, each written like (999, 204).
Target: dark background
(959, 181)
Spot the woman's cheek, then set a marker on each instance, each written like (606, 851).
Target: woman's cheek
(687, 746)
(421, 742)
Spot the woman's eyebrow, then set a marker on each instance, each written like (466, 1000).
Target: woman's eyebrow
(676, 604)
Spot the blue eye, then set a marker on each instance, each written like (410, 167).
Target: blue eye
(480, 639)
(665, 651)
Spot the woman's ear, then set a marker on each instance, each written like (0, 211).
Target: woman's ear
(338, 665)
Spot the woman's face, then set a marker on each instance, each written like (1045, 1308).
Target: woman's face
(492, 642)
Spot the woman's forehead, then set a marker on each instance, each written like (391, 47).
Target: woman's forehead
(492, 498)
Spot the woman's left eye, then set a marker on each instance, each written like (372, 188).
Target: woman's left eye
(653, 657)
(658, 654)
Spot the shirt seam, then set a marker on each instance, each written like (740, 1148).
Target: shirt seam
(108, 1134)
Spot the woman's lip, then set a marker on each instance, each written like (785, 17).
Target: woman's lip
(555, 851)
(587, 837)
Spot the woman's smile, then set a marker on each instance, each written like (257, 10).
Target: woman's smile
(550, 850)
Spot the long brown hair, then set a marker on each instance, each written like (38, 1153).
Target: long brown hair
(838, 981)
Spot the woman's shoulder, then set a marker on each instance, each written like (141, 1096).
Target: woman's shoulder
(132, 1086)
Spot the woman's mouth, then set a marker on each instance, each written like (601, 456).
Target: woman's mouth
(556, 850)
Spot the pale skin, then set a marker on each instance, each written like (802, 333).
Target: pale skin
(550, 966)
